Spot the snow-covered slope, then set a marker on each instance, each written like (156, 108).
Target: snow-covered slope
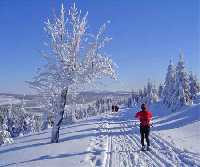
(36, 149)
(112, 141)
(181, 128)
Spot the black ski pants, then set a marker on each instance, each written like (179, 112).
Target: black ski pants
(144, 132)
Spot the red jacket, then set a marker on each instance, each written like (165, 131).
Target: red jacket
(144, 117)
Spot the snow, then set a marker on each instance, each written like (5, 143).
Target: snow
(113, 140)
(36, 149)
(183, 128)
(4, 99)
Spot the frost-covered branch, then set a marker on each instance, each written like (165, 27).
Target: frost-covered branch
(74, 58)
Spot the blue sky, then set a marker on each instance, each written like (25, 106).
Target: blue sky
(146, 34)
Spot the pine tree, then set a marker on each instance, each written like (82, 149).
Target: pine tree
(181, 95)
(194, 86)
(155, 95)
(5, 137)
(169, 84)
(160, 90)
(130, 102)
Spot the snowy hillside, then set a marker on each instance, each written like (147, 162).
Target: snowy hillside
(113, 140)
(4, 99)
(181, 128)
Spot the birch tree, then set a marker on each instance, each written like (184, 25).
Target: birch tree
(75, 58)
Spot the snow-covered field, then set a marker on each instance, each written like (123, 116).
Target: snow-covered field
(113, 141)
(4, 99)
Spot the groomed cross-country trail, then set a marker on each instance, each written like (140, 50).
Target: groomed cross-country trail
(111, 140)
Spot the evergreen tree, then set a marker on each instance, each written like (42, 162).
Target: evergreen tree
(5, 136)
(181, 95)
(155, 93)
(160, 90)
(169, 84)
(149, 88)
(194, 85)
(130, 102)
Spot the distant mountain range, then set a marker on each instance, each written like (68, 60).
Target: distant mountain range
(82, 97)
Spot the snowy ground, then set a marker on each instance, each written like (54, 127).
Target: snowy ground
(181, 128)
(113, 141)
(8, 100)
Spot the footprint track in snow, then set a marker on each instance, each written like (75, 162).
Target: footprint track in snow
(126, 150)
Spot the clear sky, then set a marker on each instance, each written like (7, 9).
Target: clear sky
(146, 34)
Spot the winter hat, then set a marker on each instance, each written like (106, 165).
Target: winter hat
(143, 107)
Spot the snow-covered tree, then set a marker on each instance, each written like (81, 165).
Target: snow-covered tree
(15, 121)
(75, 58)
(5, 137)
(130, 102)
(169, 84)
(149, 88)
(194, 85)
(181, 95)
(150, 93)
(160, 90)
(155, 95)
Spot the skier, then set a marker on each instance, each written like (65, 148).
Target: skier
(145, 117)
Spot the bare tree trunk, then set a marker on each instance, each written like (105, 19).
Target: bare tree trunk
(59, 117)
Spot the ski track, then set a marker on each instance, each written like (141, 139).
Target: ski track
(123, 148)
